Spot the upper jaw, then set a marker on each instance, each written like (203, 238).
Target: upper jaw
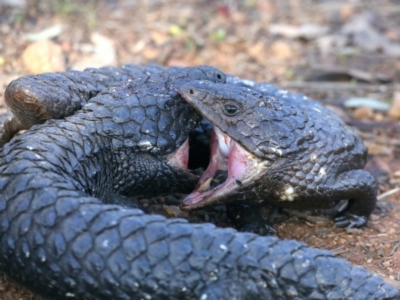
(228, 161)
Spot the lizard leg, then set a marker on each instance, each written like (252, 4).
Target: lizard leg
(360, 188)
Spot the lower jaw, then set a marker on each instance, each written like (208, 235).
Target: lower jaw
(224, 175)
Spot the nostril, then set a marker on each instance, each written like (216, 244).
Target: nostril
(191, 91)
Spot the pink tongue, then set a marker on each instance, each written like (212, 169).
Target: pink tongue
(215, 160)
(238, 161)
(180, 158)
(237, 164)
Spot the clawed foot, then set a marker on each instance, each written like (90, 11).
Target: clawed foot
(350, 221)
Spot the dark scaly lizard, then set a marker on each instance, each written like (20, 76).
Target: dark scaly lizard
(36, 98)
(288, 151)
(33, 99)
(59, 239)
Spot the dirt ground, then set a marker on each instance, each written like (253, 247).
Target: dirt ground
(344, 53)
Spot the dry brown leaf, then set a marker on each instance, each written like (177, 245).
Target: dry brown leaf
(178, 62)
(158, 37)
(43, 56)
(238, 17)
(150, 52)
(305, 31)
(377, 149)
(394, 110)
(257, 50)
(282, 50)
(363, 113)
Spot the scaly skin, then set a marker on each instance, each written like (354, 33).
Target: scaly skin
(59, 239)
(36, 98)
(301, 155)
(33, 99)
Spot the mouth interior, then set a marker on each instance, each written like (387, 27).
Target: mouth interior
(225, 172)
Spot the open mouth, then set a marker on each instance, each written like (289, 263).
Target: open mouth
(224, 175)
(180, 158)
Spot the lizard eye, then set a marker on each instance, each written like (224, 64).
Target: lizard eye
(230, 109)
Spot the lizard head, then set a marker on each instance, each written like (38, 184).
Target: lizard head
(248, 135)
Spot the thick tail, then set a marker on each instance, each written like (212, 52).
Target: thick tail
(58, 241)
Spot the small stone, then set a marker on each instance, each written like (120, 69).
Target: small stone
(43, 56)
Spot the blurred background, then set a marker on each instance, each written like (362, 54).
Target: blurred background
(272, 40)
(344, 53)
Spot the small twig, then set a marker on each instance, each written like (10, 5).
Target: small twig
(388, 193)
(394, 249)
(369, 125)
(339, 250)
(378, 140)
